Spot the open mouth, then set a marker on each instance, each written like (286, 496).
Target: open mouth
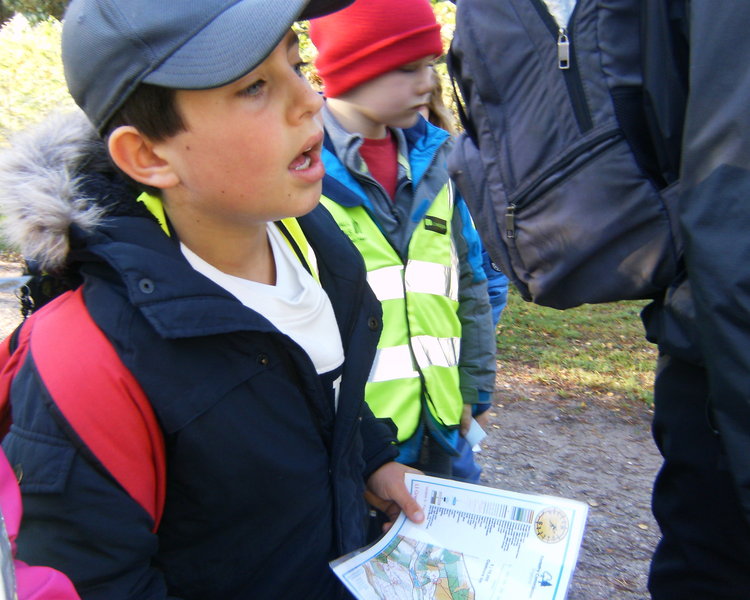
(307, 166)
(303, 161)
(310, 155)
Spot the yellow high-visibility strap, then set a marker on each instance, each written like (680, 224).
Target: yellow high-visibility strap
(289, 227)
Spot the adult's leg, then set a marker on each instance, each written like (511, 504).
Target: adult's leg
(704, 553)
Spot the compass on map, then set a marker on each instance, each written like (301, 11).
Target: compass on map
(551, 525)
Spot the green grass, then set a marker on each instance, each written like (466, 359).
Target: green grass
(591, 350)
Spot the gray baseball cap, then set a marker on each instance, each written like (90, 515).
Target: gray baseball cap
(109, 47)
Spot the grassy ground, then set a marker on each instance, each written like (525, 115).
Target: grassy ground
(591, 350)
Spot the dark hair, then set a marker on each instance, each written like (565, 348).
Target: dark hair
(152, 110)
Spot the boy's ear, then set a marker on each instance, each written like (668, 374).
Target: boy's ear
(134, 154)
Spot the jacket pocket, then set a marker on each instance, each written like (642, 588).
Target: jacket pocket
(592, 228)
(42, 463)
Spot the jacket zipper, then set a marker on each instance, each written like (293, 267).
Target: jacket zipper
(567, 65)
(537, 187)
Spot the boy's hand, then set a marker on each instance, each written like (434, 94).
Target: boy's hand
(387, 492)
(466, 417)
(483, 419)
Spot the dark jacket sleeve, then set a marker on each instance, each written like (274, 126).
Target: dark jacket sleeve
(77, 519)
(715, 215)
(379, 441)
(477, 360)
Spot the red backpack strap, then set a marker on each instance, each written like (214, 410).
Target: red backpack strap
(12, 353)
(121, 431)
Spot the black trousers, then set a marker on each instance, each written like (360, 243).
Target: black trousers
(704, 553)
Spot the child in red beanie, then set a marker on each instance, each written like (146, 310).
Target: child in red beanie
(388, 188)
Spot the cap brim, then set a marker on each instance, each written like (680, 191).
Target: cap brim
(235, 42)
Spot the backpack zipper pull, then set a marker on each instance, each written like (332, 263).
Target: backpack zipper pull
(510, 222)
(563, 49)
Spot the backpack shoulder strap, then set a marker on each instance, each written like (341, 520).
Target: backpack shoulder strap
(12, 353)
(122, 433)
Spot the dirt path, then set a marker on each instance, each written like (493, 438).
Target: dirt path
(9, 306)
(586, 450)
(582, 449)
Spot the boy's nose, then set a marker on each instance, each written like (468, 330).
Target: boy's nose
(426, 80)
(307, 100)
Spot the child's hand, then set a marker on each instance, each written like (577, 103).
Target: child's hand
(387, 492)
(465, 419)
(483, 419)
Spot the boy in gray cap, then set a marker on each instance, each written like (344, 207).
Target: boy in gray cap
(220, 331)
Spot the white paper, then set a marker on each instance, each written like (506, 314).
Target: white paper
(476, 543)
(475, 435)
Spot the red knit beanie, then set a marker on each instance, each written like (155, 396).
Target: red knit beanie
(372, 37)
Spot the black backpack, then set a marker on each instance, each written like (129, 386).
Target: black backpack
(39, 287)
(561, 161)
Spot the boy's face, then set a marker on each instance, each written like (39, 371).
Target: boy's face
(251, 149)
(393, 99)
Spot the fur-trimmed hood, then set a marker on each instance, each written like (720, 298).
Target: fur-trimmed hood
(43, 191)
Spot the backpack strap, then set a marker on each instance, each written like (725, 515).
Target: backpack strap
(122, 433)
(454, 73)
(12, 353)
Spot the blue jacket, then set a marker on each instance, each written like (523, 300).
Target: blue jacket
(264, 482)
(348, 184)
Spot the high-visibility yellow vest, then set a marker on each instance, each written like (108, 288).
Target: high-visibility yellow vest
(419, 348)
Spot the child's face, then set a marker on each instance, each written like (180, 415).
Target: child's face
(393, 99)
(251, 149)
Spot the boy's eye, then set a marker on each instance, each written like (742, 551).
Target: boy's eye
(416, 66)
(254, 88)
(300, 67)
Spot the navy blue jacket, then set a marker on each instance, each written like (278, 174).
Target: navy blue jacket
(699, 92)
(264, 481)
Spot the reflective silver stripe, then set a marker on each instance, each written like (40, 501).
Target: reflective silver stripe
(392, 363)
(430, 351)
(431, 278)
(396, 362)
(387, 283)
(420, 276)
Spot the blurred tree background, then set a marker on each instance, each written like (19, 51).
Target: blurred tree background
(33, 10)
(32, 83)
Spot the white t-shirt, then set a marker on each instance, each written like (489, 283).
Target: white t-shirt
(297, 305)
